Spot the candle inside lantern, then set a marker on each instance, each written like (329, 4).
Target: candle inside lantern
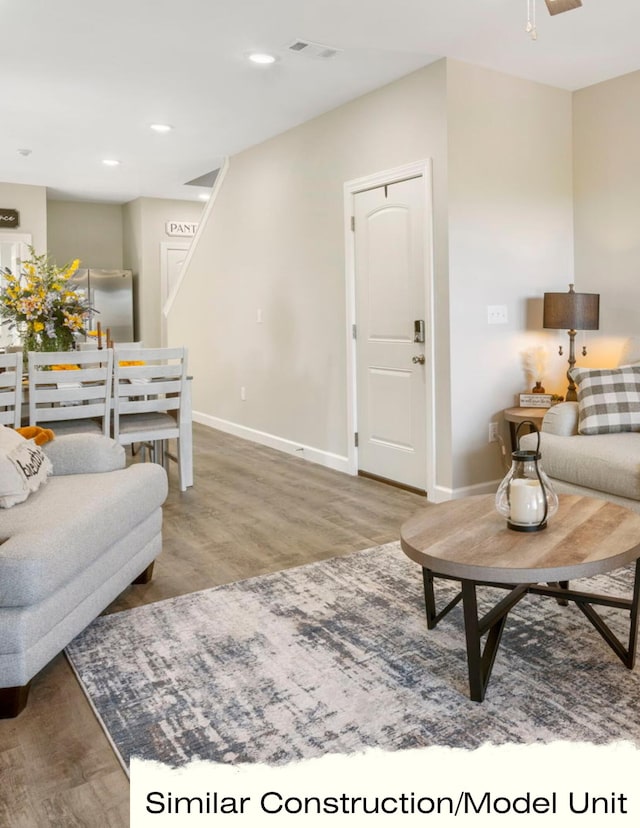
(526, 499)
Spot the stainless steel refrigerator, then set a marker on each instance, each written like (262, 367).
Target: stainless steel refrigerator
(110, 292)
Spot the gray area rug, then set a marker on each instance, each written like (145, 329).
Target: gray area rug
(335, 657)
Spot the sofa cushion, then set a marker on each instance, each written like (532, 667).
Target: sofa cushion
(608, 399)
(83, 453)
(23, 467)
(561, 419)
(69, 523)
(608, 463)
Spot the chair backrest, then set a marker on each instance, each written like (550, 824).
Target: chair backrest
(148, 380)
(11, 388)
(70, 385)
(127, 346)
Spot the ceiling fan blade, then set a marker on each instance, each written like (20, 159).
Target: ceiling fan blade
(557, 6)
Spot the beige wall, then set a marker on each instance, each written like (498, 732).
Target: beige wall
(31, 202)
(607, 209)
(275, 242)
(501, 150)
(132, 253)
(510, 240)
(144, 223)
(85, 231)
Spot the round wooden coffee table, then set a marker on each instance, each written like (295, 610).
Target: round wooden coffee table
(468, 541)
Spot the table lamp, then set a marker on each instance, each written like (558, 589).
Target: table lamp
(572, 312)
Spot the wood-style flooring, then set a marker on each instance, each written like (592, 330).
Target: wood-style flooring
(251, 511)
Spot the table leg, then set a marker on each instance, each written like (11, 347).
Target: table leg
(480, 661)
(429, 598)
(633, 628)
(433, 616)
(562, 602)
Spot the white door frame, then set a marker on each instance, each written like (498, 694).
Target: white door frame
(417, 169)
(165, 247)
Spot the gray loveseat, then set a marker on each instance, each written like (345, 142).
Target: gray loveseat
(69, 550)
(597, 465)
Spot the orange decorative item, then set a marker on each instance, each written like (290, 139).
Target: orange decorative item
(40, 436)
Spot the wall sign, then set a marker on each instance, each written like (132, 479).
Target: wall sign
(181, 228)
(9, 218)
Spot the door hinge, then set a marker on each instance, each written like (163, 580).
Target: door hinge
(353, 223)
(354, 331)
(355, 439)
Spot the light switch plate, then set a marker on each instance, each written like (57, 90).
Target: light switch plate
(497, 314)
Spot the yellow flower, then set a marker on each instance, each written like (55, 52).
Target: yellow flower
(38, 326)
(75, 264)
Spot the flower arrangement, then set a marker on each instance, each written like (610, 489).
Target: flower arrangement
(535, 361)
(42, 305)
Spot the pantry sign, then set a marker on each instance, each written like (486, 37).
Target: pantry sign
(181, 228)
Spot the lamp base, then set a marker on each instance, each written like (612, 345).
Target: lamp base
(519, 527)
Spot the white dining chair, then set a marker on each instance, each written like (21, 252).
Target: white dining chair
(127, 346)
(11, 388)
(151, 404)
(71, 399)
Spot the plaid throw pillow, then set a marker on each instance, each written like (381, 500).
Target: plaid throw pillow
(608, 399)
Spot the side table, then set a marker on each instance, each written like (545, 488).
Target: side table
(517, 415)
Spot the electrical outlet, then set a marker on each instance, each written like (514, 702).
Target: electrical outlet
(497, 314)
(493, 432)
(243, 392)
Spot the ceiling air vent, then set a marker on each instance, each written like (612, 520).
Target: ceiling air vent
(314, 50)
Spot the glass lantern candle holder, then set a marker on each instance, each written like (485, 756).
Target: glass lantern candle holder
(526, 497)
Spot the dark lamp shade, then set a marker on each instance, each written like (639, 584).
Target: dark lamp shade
(571, 311)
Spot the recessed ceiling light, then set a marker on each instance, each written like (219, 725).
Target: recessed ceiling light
(110, 162)
(262, 58)
(161, 127)
(204, 196)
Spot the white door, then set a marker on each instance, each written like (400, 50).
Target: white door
(172, 256)
(391, 313)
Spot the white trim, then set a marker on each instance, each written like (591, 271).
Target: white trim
(313, 455)
(441, 494)
(417, 169)
(217, 184)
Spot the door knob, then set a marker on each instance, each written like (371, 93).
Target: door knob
(419, 359)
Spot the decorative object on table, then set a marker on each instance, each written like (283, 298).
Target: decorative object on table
(526, 497)
(572, 312)
(539, 400)
(534, 361)
(42, 306)
(536, 400)
(97, 334)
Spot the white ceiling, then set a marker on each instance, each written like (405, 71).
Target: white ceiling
(82, 81)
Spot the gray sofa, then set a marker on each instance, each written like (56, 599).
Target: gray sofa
(597, 465)
(69, 550)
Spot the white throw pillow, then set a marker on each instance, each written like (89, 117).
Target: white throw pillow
(23, 467)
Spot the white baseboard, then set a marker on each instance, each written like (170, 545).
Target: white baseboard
(441, 494)
(313, 455)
